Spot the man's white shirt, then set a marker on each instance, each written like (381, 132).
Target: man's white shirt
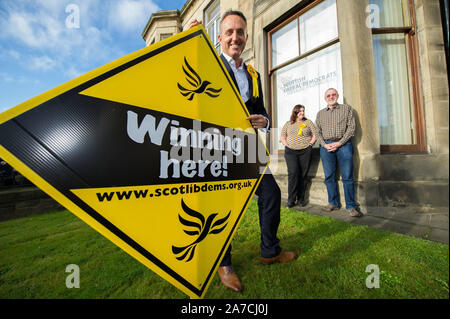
(241, 78)
(242, 81)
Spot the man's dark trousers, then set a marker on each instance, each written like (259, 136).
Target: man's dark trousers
(269, 202)
(269, 194)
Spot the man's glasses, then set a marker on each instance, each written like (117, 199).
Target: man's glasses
(330, 95)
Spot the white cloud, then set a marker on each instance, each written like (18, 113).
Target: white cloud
(52, 6)
(130, 15)
(24, 79)
(36, 27)
(6, 77)
(7, 54)
(40, 40)
(14, 54)
(19, 26)
(72, 72)
(43, 63)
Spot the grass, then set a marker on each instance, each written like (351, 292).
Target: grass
(333, 256)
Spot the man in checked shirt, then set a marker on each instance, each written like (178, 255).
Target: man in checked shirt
(335, 128)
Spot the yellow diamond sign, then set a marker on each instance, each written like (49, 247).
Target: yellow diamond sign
(152, 150)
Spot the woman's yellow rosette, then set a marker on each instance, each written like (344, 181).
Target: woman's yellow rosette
(300, 128)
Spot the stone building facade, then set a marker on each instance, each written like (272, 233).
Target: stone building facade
(387, 59)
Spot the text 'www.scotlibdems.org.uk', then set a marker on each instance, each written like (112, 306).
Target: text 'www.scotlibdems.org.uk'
(170, 191)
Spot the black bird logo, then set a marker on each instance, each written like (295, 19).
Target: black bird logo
(203, 229)
(198, 85)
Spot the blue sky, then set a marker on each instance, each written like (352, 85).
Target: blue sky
(44, 43)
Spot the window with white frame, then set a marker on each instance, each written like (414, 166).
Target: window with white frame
(305, 61)
(212, 23)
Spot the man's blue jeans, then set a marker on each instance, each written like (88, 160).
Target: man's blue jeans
(344, 157)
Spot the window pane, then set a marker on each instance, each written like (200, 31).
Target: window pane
(305, 82)
(395, 115)
(318, 26)
(285, 44)
(213, 11)
(213, 32)
(212, 19)
(165, 36)
(388, 13)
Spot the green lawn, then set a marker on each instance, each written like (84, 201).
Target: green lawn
(333, 257)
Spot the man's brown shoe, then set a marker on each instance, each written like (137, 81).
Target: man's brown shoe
(330, 208)
(229, 278)
(283, 257)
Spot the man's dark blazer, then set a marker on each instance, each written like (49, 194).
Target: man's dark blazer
(269, 194)
(254, 105)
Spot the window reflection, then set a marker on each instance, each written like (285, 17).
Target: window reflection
(391, 13)
(318, 26)
(393, 96)
(285, 44)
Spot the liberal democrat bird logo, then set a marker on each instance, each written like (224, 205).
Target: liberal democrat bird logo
(203, 229)
(198, 86)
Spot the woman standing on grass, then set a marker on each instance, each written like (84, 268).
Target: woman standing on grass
(298, 136)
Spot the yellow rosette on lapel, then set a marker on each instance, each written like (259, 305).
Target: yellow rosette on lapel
(254, 76)
(300, 129)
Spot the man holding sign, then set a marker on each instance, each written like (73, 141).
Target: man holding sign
(233, 38)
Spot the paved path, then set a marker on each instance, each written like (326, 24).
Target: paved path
(426, 223)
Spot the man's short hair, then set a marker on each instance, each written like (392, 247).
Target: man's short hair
(231, 13)
(331, 89)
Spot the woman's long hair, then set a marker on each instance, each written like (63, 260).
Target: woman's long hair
(295, 112)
